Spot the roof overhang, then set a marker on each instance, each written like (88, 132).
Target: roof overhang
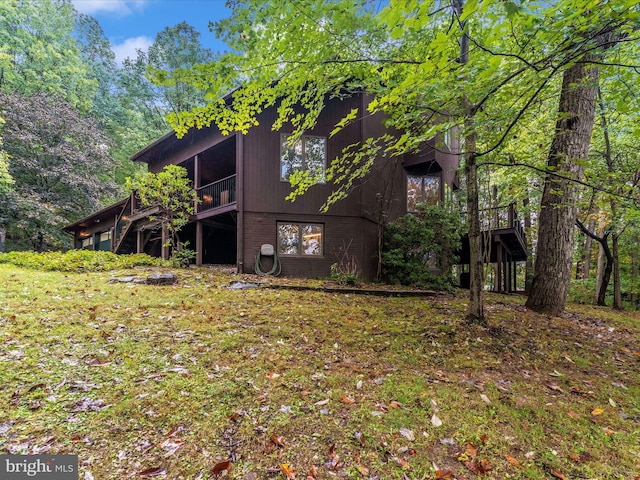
(97, 217)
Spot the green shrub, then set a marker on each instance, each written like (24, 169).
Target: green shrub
(420, 248)
(77, 260)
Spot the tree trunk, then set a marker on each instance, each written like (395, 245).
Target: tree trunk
(605, 251)
(528, 268)
(617, 290)
(606, 274)
(634, 270)
(475, 313)
(558, 211)
(588, 245)
(599, 274)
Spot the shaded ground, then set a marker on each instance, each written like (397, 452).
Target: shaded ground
(176, 381)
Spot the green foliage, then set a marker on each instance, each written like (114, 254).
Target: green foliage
(170, 190)
(420, 248)
(38, 52)
(77, 260)
(6, 180)
(343, 276)
(60, 163)
(183, 256)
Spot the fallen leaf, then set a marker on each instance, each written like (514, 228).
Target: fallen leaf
(288, 471)
(612, 403)
(279, 441)
(364, 471)
(171, 445)
(608, 432)
(321, 402)
(360, 438)
(153, 472)
(471, 450)
(347, 400)
(559, 475)
(312, 474)
(573, 414)
(443, 474)
(382, 407)
(597, 411)
(512, 460)
(435, 421)
(479, 468)
(408, 434)
(394, 404)
(484, 398)
(221, 469)
(554, 387)
(484, 438)
(333, 460)
(402, 462)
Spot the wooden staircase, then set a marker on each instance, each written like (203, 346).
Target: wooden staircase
(124, 237)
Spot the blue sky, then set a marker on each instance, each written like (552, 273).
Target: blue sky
(132, 24)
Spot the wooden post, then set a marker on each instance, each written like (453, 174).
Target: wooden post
(196, 185)
(199, 242)
(499, 268)
(139, 245)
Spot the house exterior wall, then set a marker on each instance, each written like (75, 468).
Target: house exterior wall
(339, 232)
(264, 191)
(351, 223)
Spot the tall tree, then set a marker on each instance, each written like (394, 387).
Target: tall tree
(407, 57)
(61, 164)
(38, 52)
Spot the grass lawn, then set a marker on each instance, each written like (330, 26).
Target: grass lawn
(197, 380)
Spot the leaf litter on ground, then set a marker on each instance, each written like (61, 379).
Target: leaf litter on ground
(223, 363)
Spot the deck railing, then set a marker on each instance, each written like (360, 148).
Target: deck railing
(217, 194)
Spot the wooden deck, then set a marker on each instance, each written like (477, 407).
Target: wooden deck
(503, 246)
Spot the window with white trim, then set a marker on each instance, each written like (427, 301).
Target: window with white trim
(300, 239)
(306, 154)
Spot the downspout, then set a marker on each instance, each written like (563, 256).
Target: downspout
(240, 202)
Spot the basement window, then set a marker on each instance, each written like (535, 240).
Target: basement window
(300, 239)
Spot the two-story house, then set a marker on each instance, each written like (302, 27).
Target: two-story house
(242, 182)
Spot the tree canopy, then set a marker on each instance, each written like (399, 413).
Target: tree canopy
(486, 68)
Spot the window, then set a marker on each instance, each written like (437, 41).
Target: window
(307, 154)
(300, 239)
(447, 137)
(104, 237)
(87, 242)
(422, 190)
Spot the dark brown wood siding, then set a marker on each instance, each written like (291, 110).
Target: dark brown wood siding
(262, 187)
(172, 151)
(357, 234)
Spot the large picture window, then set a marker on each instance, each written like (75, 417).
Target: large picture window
(300, 239)
(422, 189)
(307, 154)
